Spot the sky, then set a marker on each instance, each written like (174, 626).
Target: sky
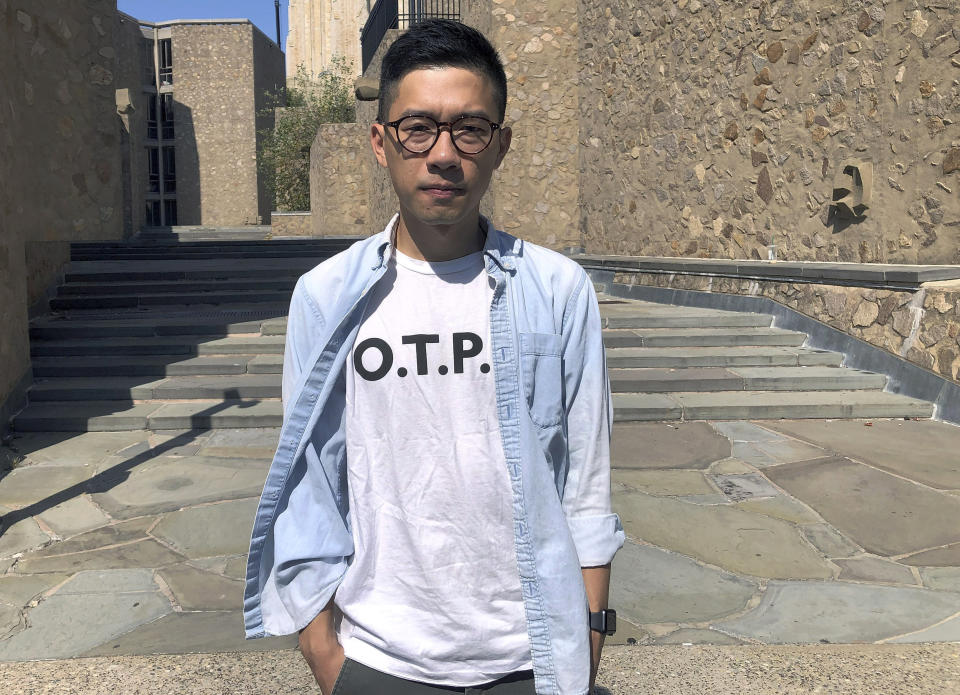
(260, 12)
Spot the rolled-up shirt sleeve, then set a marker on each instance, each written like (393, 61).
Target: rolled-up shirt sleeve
(596, 529)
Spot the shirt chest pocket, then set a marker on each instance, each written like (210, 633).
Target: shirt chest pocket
(541, 367)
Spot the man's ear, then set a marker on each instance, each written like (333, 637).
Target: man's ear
(376, 142)
(506, 136)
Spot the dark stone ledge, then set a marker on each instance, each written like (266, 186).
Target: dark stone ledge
(877, 275)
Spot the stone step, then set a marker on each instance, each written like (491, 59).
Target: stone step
(701, 337)
(767, 405)
(148, 253)
(71, 329)
(132, 301)
(746, 356)
(177, 286)
(743, 379)
(113, 416)
(640, 319)
(127, 365)
(82, 416)
(173, 345)
(228, 388)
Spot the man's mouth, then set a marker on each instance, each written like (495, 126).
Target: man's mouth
(442, 191)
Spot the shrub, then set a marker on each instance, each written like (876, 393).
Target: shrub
(284, 151)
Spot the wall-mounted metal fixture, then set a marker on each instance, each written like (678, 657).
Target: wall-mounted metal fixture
(852, 189)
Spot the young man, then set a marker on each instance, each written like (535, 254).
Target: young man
(437, 517)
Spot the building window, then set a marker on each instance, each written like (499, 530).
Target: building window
(169, 170)
(153, 213)
(153, 169)
(149, 72)
(166, 61)
(166, 116)
(152, 118)
(170, 212)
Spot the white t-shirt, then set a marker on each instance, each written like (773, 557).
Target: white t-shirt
(432, 592)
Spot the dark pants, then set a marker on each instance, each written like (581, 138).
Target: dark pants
(357, 679)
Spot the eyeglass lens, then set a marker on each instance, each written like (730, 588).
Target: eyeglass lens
(418, 133)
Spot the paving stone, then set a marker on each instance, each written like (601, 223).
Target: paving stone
(891, 445)
(730, 538)
(664, 482)
(948, 631)
(696, 636)
(750, 452)
(651, 585)
(781, 507)
(122, 532)
(257, 437)
(789, 451)
(189, 633)
(69, 625)
(730, 467)
(117, 581)
(657, 445)
(874, 569)
(744, 487)
(189, 530)
(20, 537)
(73, 449)
(147, 553)
(11, 621)
(196, 590)
(236, 567)
(627, 633)
(20, 590)
(948, 556)
(30, 484)
(836, 612)
(74, 516)
(941, 578)
(885, 514)
(169, 484)
(714, 499)
(829, 541)
(742, 431)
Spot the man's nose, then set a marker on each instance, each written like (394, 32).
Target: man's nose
(443, 152)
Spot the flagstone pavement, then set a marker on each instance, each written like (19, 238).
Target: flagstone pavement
(739, 533)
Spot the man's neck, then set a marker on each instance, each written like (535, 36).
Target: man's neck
(439, 242)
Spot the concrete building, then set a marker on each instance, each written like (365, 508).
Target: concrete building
(323, 29)
(108, 124)
(196, 91)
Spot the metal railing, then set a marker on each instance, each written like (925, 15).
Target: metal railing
(401, 14)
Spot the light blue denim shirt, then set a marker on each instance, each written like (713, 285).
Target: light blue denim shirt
(554, 409)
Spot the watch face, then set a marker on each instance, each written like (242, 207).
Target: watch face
(611, 622)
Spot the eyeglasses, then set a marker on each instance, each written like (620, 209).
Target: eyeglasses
(418, 134)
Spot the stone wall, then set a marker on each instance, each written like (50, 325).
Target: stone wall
(59, 156)
(214, 102)
(268, 81)
(341, 160)
(133, 106)
(283, 224)
(922, 326)
(536, 191)
(718, 129)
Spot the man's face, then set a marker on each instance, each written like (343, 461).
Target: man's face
(441, 187)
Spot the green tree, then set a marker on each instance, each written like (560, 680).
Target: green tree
(284, 152)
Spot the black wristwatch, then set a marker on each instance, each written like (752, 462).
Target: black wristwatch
(604, 621)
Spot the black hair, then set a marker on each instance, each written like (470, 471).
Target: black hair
(440, 43)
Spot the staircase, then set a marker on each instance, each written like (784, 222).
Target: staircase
(680, 363)
(166, 334)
